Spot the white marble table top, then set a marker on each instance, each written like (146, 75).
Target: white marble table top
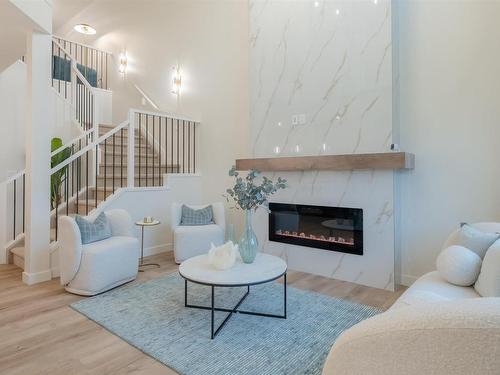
(143, 223)
(264, 268)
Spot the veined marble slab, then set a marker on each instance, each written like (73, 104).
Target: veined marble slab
(332, 62)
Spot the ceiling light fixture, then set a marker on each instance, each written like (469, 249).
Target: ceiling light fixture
(85, 29)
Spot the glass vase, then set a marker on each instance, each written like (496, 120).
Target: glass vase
(248, 243)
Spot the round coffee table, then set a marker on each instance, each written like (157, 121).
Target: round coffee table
(264, 269)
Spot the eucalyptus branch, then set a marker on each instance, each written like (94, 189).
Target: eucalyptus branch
(247, 195)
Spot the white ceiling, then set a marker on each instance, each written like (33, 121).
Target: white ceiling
(64, 10)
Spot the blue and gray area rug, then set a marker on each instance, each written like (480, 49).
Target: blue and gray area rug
(151, 316)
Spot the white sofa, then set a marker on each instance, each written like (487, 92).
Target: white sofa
(96, 267)
(433, 328)
(192, 240)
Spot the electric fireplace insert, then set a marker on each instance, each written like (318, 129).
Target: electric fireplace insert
(330, 228)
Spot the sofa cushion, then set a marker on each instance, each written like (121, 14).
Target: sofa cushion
(433, 283)
(473, 239)
(458, 265)
(488, 282)
(202, 216)
(92, 231)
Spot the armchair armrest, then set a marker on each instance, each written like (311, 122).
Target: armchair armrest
(175, 215)
(458, 337)
(70, 248)
(219, 217)
(121, 223)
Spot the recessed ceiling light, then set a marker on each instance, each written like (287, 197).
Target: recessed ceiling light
(85, 29)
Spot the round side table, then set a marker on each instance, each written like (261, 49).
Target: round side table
(142, 224)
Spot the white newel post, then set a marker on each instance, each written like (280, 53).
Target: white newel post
(38, 124)
(131, 149)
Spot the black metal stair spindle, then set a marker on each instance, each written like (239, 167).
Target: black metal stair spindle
(188, 147)
(96, 168)
(66, 187)
(105, 163)
(87, 183)
(78, 179)
(166, 143)
(57, 216)
(147, 149)
(114, 163)
(159, 151)
(15, 209)
(24, 199)
(172, 144)
(183, 145)
(140, 150)
(121, 158)
(178, 145)
(194, 148)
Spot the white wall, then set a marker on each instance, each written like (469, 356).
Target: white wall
(209, 40)
(12, 122)
(450, 118)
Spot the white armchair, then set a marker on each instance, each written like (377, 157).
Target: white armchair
(192, 240)
(96, 267)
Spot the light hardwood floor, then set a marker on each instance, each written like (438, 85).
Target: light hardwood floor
(41, 334)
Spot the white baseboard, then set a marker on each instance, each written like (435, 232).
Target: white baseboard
(407, 280)
(153, 250)
(37, 277)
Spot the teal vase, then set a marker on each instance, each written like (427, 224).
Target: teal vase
(248, 243)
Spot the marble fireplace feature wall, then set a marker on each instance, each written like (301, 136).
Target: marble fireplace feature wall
(329, 65)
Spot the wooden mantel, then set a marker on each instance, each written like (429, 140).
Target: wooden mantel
(382, 160)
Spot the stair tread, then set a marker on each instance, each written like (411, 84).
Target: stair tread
(92, 202)
(150, 175)
(117, 165)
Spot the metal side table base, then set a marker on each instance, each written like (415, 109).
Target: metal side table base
(141, 262)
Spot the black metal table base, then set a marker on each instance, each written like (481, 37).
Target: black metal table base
(148, 265)
(214, 331)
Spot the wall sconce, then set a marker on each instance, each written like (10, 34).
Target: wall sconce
(123, 63)
(176, 81)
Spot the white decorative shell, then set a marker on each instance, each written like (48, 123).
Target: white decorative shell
(223, 257)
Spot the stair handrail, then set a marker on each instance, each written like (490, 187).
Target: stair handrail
(165, 114)
(79, 76)
(14, 177)
(97, 56)
(127, 123)
(89, 147)
(71, 142)
(74, 66)
(82, 44)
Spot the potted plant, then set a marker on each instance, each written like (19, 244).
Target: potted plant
(248, 196)
(56, 179)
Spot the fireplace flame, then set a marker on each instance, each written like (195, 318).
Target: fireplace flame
(340, 240)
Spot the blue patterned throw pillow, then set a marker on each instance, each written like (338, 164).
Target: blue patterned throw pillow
(98, 230)
(191, 216)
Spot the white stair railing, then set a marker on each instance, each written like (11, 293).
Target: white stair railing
(12, 212)
(92, 62)
(168, 144)
(72, 85)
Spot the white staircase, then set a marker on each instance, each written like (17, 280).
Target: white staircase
(104, 158)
